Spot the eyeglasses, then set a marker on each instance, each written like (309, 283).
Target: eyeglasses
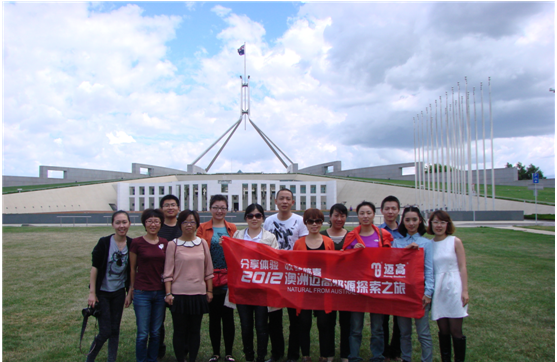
(257, 216)
(170, 205)
(189, 223)
(153, 222)
(312, 221)
(215, 208)
(439, 222)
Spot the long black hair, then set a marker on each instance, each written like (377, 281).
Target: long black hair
(421, 228)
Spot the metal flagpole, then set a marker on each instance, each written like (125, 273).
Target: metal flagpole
(432, 150)
(415, 168)
(469, 147)
(492, 157)
(454, 151)
(424, 153)
(437, 163)
(448, 150)
(477, 161)
(483, 138)
(443, 185)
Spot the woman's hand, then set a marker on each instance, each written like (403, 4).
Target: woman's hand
(425, 301)
(129, 299)
(92, 300)
(209, 297)
(412, 245)
(464, 298)
(358, 246)
(169, 299)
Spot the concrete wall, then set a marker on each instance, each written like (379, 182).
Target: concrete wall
(102, 197)
(322, 169)
(73, 174)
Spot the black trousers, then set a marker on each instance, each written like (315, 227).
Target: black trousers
(344, 322)
(393, 349)
(111, 305)
(326, 333)
(187, 332)
(247, 313)
(275, 334)
(219, 312)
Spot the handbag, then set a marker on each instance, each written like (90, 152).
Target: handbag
(220, 277)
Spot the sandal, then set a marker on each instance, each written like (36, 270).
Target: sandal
(229, 358)
(214, 358)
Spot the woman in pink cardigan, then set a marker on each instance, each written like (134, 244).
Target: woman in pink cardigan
(188, 280)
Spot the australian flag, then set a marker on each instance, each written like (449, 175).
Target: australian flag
(241, 50)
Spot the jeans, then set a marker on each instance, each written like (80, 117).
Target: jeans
(275, 334)
(217, 312)
(246, 313)
(111, 305)
(149, 310)
(424, 336)
(376, 344)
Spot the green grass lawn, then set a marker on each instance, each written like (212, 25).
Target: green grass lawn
(45, 278)
(547, 195)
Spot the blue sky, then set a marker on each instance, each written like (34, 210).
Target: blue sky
(102, 85)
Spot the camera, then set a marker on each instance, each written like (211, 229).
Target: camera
(91, 311)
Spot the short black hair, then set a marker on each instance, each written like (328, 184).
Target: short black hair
(252, 207)
(169, 197)
(421, 228)
(390, 198)
(340, 208)
(216, 198)
(284, 189)
(120, 212)
(365, 203)
(147, 213)
(185, 214)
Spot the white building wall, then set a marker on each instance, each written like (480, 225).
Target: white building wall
(153, 192)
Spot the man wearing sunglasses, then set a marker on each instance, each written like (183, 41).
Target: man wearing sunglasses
(287, 227)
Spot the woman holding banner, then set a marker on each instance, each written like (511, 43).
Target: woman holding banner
(337, 232)
(313, 219)
(188, 279)
(255, 216)
(366, 235)
(450, 298)
(212, 231)
(412, 228)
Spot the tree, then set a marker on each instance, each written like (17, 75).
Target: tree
(526, 173)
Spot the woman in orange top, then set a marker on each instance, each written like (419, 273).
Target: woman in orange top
(313, 219)
(212, 231)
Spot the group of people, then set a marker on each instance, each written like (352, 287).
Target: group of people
(180, 264)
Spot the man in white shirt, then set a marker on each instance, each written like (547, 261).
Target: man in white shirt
(287, 228)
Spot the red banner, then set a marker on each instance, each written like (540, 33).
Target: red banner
(376, 280)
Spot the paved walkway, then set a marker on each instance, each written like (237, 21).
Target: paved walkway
(510, 225)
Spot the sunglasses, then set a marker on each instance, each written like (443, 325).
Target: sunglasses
(251, 216)
(312, 221)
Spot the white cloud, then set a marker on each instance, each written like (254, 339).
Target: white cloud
(342, 83)
(119, 137)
